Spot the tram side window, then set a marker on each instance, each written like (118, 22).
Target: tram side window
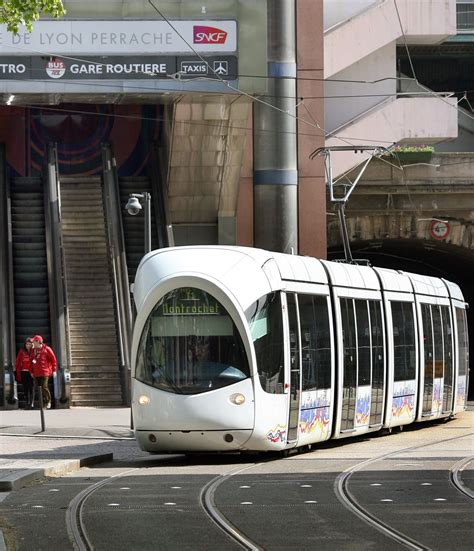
(438, 342)
(349, 365)
(403, 340)
(377, 362)
(316, 342)
(266, 327)
(463, 346)
(448, 358)
(363, 342)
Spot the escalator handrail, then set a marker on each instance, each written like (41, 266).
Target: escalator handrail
(6, 280)
(57, 273)
(119, 265)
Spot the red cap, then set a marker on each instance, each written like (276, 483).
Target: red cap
(37, 338)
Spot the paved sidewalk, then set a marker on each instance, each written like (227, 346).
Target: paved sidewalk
(72, 438)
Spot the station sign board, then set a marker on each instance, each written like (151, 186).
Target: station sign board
(57, 68)
(122, 37)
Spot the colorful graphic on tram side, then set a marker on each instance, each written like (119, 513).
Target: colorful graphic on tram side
(315, 414)
(461, 392)
(314, 421)
(403, 404)
(278, 434)
(437, 403)
(362, 412)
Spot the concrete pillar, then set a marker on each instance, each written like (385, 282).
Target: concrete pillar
(275, 154)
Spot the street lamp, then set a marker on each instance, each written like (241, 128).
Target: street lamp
(134, 206)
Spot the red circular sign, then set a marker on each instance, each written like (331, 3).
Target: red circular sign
(55, 68)
(439, 229)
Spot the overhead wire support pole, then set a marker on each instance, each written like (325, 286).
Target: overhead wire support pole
(340, 200)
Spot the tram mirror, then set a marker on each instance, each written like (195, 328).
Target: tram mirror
(133, 206)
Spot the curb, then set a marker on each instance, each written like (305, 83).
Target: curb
(22, 477)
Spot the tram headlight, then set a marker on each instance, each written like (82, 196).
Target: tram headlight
(237, 399)
(143, 400)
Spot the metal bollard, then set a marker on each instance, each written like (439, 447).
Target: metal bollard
(10, 389)
(65, 388)
(40, 401)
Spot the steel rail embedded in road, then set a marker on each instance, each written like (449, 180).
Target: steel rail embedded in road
(455, 476)
(209, 506)
(74, 522)
(344, 495)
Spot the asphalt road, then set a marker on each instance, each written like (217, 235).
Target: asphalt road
(356, 494)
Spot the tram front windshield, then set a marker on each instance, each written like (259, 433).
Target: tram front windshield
(190, 345)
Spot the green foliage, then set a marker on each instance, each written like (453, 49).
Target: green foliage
(25, 12)
(412, 148)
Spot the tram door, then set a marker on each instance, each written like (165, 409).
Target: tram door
(448, 359)
(295, 367)
(349, 389)
(438, 361)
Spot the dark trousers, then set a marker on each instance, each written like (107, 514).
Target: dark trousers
(42, 382)
(28, 387)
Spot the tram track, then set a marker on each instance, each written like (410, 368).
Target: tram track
(209, 506)
(82, 541)
(74, 513)
(456, 479)
(346, 497)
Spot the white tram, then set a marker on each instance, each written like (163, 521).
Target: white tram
(242, 349)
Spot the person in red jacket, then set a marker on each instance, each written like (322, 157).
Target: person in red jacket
(23, 372)
(43, 366)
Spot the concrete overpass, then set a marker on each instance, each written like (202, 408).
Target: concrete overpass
(415, 217)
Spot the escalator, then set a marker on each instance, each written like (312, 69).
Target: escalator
(68, 255)
(30, 270)
(93, 334)
(29, 263)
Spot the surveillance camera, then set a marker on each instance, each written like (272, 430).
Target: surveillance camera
(133, 206)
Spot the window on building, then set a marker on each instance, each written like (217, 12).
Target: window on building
(465, 16)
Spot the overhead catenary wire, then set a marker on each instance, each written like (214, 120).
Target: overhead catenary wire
(254, 98)
(227, 83)
(160, 119)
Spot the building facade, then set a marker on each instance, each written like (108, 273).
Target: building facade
(398, 73)
(122, 98)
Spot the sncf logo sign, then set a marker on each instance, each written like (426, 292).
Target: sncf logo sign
(203, 34)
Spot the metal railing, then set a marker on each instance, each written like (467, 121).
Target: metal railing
(121, 292)
(57, 282)
(7, 346)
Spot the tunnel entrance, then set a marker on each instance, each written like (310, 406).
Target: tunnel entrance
(423, 257)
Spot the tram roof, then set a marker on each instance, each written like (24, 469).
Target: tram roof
(239, 268)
